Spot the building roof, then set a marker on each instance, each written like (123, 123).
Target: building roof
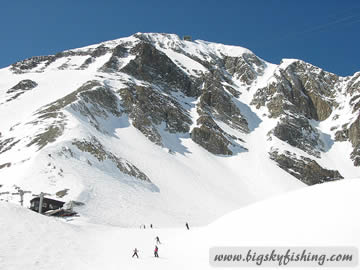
(48, 200)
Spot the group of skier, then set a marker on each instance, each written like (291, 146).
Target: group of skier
(144, 226)
(156, 250)
(157, 239)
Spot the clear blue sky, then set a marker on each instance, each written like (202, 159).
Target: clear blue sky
(324, 33)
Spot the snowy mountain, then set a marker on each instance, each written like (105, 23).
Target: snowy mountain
(154, 129)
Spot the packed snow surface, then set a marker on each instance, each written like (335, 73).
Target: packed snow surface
(307, 217)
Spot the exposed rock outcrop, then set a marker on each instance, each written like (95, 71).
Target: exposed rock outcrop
(7, 144)
(49, 135)
(39, 63)
(297, 132)
(20, 88)
(153, 66)
(97, 150)
(304, 169)
(148, 108)
(210, 136)
(215, 102)
(23, 85)
(298, 93)
(114, 65)
(245, 68)
(299, 88)
(354, 137)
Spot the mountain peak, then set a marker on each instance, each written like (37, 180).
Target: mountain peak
(151, 120)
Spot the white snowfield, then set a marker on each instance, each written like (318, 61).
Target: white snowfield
(321, 215)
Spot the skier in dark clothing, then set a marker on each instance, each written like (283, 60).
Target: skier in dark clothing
(157, 240)
(187, 226)
(135, 253)
(156, 252)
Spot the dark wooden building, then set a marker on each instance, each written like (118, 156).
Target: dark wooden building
(47, 205)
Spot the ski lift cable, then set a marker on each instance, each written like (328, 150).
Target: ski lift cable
(326, 25)
(345, 20)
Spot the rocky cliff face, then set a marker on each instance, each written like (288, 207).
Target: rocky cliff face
(350, 130)
(215, 95)
(299, 94)
(304, 169)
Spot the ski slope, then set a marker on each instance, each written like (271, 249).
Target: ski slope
(307, 217)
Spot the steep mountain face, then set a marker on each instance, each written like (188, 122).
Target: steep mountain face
(142, 123)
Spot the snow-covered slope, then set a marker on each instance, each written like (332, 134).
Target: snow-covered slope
(154, 129)
(37, 242)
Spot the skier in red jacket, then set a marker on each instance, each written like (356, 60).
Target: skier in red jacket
(156, 252)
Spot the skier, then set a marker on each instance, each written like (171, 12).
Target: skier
(135, 253)
(151, 226)
(156, 252)
(187, 226)
(157, 240)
